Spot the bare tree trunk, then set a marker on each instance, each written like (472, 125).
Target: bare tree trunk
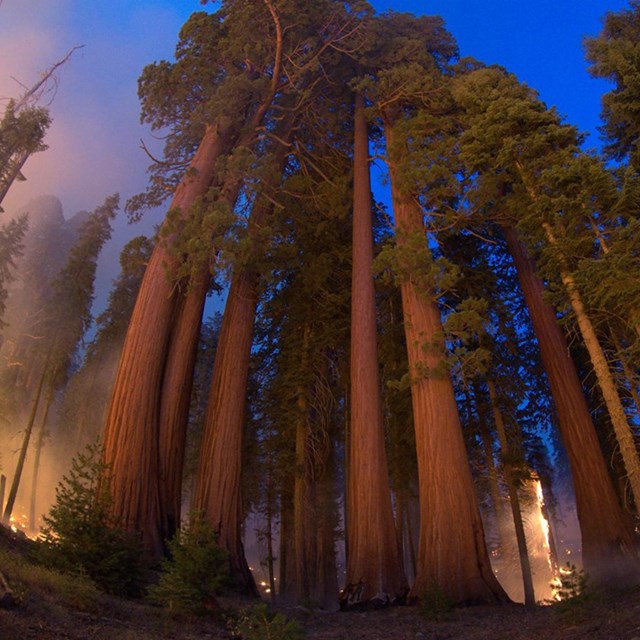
(175, 401)
(286, 551)
(374, 568)
(3, 488)
(325, 590)
(452, 550)
(17, 474)
(608, 549)
(131, 448)
(271, 504)
(218, 486)
(304, 512)
(514, 499)
(36, 461)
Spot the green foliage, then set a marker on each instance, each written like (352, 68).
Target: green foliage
(197, 570)
(571, 583)
(435, 605)
(259, 623)
(22, 133)
(573, 596)
(615, 56)
(11, 246)
(80, 535)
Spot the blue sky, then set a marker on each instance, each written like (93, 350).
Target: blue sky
(95, 137)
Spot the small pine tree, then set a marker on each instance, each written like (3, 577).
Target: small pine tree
(197, 570)
(80, 535)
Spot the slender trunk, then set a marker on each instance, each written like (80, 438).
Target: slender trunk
(325, 590)
(269, 535)
(3, 488)
(514, 499)
(305, 524)
(131, 430)
(452, 551)
(374, 568)
(608, 550)
(17, 475)
(492, 472)
(303, 507)
(36, 461)
(621, 427)
(286, 551)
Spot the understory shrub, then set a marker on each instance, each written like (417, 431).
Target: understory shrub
(80, 535)
(195, 572)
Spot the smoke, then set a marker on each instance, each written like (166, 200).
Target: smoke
(94, 140)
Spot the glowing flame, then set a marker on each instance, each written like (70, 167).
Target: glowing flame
(20, 524)
(544, 523)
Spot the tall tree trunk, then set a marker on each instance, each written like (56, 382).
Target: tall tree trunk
(374, 568)
(304, 507)
(514, 498)
(608, 549)
(36, 461)
(621, 426)
(286, 552)
(270, 514)
(17, 474)
(3, 488)
(131, 430)
(175, 400)
(325, 590)
(218, 485)
(452, 551)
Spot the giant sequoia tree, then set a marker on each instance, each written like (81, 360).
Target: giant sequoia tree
(373, 563)
(261, 104)
(450, 536)
(134, 423)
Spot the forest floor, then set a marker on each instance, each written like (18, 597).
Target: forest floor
(40, 617)
(60, 609)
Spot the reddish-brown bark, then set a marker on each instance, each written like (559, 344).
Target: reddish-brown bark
(175, 401)
(131, 430)
(452, 552)
(374, 567)
(218, 485)
(608, 551)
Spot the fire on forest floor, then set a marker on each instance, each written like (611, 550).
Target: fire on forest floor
(50, 608)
